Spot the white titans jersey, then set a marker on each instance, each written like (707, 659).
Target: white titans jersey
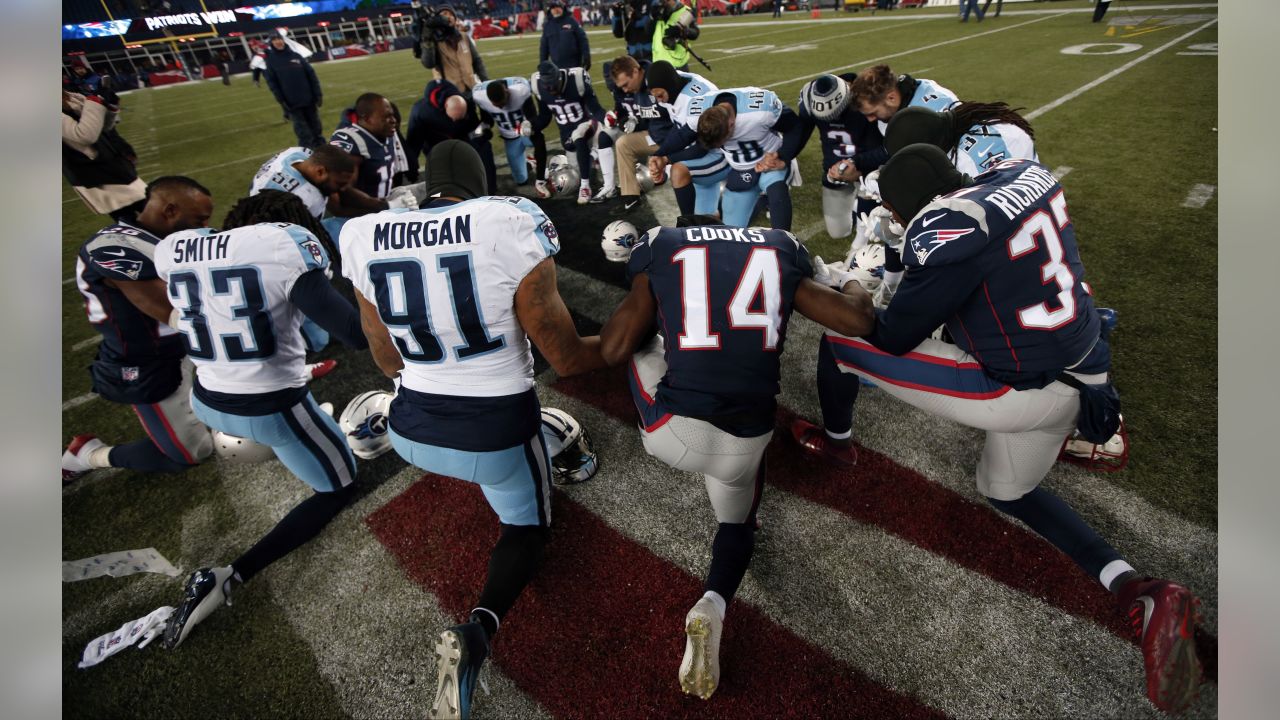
(753, 134)
(444, 280)
(278, 173)
(982, 147)
(929, 94)
(233, 287)
(696, 86)
(507, 118)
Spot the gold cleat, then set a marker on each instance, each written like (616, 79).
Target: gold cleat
(700, 669)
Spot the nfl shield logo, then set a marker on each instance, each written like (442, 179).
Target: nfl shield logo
(129, 374)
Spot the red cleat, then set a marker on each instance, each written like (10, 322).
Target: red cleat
(1164, 618)
(815, 441)
(322, 368)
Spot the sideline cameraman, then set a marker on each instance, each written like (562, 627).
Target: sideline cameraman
(674, 26)
(631, 23)
(446, 51)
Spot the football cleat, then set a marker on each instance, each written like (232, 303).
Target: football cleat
(1164, 616)
(603, 195)
(700, 669)
(75, 460)
(815, 441)
(1110, 456)
(542, 189)
(462, 650)
(629, 203)
(322, 368)
(206, 590)
(584, 195)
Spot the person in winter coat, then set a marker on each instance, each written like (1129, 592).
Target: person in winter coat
(295, 86)
(563, 40)
(449, 53)
(96, 161)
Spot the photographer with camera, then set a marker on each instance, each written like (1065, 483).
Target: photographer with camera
(447, 51)
(632, 24)
(674, 26)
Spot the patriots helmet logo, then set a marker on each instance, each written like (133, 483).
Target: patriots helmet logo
(926, 243)
(124, 266)
(373, 426)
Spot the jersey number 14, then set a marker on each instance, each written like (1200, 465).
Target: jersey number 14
(761, 278)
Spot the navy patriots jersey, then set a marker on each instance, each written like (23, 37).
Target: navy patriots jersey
(639, 105)
(139, 360)
(575, 104)
(377, 159)
(997, 262)
(845, 137)
(724, 299)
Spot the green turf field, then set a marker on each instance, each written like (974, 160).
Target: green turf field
(1136, 144)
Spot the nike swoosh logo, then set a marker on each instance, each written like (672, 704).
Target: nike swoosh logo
(1148, 607)
(114, 254)
(928, 221)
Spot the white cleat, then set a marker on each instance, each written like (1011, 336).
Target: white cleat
(700, 670)
(584, 195)
(75, 460)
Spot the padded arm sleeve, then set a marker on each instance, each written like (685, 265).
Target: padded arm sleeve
(317, 299)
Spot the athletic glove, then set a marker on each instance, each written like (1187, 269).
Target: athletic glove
(585, 129)
(611, 119)
(833, 275)
(401, 197)
(526, 128)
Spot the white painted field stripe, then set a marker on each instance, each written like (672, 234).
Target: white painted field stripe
(912, 51)
(68, 281)
(1062, 171)
(1095, 83)
(79, 400)
(1199, 196)
(87, 342)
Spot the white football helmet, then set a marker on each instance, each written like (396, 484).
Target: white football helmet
(643, 178)
(572, 459)
(231, 448)
(619, 237)
(826, 97)
(365, 423)
(868, 266)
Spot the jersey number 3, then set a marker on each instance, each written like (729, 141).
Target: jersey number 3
(761, 279)
(1056, 270)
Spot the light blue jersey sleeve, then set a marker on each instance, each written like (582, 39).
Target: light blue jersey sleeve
(543, 229)
(930, 94)
(309, 248)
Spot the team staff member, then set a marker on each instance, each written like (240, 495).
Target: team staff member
(995, 259)
(295, 86)
(674, 25)
(564, 42)
(444, 113)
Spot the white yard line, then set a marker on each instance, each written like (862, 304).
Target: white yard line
(87, 342)
(80, 400)
(1091, 85)
(862, 63)
(1062, 171)
(1199, 196)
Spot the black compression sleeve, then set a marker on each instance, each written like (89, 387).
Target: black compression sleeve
(317, 299)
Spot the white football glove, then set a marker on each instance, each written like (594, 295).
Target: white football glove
(584, 129)
(833, 275)
(611, 119)
(401, 197)
(526, 128)
(879, 226)
(630, 125)
(869, 186)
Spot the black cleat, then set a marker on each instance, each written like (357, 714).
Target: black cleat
(206, 589)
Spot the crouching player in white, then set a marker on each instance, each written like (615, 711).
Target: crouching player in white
(995, 258)
(241, 293)
(721, 298)
(450, 296)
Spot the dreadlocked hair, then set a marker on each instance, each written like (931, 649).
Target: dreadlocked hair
(967, 114)
(275, 206)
